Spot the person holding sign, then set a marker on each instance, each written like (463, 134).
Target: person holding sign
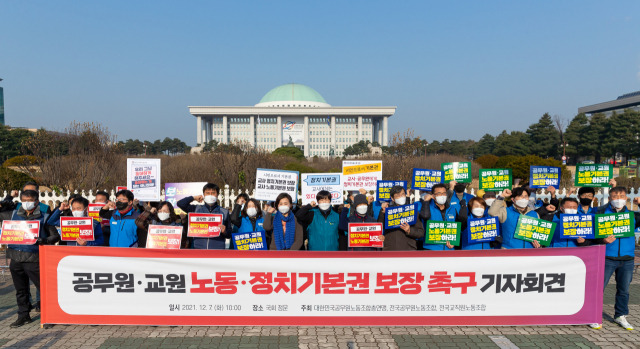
(619, 255)
(438, 208)
(287, 233)
(404, 237)
(321, 222)
(25, 261)
(568, 206)
(509, 216)
(122, 220)
(360, 215)
(78, 209)
(102, 197)
(163, 215)
(210, 193)
(250, 219)
(478, 209)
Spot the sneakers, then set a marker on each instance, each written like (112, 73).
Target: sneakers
(622, 321)
(595, 326)
(21, 321)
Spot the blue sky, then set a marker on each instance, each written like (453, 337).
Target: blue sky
(455, 69)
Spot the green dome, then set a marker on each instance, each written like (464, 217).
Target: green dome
(293, 93)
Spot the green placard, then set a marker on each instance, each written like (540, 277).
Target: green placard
(593, 175)
(457, 171)
(534, 229)
(440, 232)
(495, 179)
(620, 225)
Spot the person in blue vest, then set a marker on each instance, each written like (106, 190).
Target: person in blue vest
(78, 209)
(210, 193)
(25, 261)
(122, 220)
(457, 194)
(403, 238)
(436, 207)
(361, 214)
(585, 198)
(321, 222)
(164, 214)
(619, 256)
(477, 208)
(568, 205)
(236, 212)
(508, 216)
(281, 223)
(102, 197)
(249, 220)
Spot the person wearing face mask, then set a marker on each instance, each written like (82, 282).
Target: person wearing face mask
(286, 233)
(438, 208)
(25, 259)
(585, 198)
(164, 214)
(236, 213)
(122, 220)
(404, 237)
(249, 220)
(489, 198)
(77, 209)
(457, 195)
(8, 204)
(321, 223)
(477, 208)
(102, 197)
(361, 214)
(210, 193)
(568, 205)
(508, 216)
(619, 256)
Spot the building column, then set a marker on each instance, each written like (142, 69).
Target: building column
(225, 132)
(334, 139)
(278, 131)
(385, 131)
(306, 136)
(252, 127)
(209, 124)
(379, 131)
(359, 128)
(199, 130)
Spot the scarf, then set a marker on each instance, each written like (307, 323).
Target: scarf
(284, 242)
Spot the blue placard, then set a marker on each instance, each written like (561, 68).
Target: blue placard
(255, 240)
(544, 176)
(573, 226)
(482, 229)
(394, 216)
(425, 179)
(384, 189)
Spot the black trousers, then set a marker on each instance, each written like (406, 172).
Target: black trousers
(21, 273)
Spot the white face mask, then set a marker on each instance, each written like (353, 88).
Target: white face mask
(571, 210)
(362, 209)
(619, 203)
(522, 203)
(401, 201)
(478, 211)
(284, 209)
(77, 213)
(251, 211)
(489, 202)
(441, 200)
(163, 216)
(210, 199)
(28, 205)
(324, 206)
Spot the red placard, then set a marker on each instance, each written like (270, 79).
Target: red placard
(164, 237)
(94, 212)
(19, 232)
(365, 235)
(72, 228)
(204, 225)
(120, 188)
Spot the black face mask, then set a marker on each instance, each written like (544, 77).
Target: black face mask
(459, 188)
(121, 206)
(585, 201)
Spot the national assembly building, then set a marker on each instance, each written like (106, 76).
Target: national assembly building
(293, 115)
